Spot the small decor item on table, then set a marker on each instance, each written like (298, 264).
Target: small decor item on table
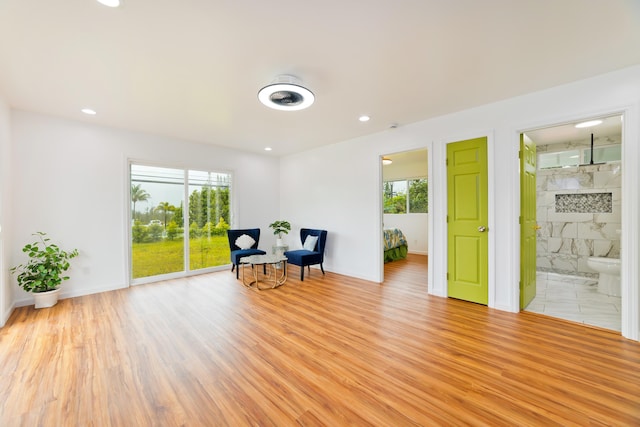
(280, 228)
(42, 273)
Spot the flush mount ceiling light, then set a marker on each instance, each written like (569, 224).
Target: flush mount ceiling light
(287, 94)
(89, 111)
(386, 161)
(588, 124)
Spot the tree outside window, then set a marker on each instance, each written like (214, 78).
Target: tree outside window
(406, 196)
(418, 196)
(395, 197)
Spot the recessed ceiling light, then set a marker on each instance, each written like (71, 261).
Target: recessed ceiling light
(364, 118)
(286, 94)
(267, 148)
(88, 111)
(589, 124)
(110, 3)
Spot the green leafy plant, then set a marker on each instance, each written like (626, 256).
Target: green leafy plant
(280, 227)
(47, 262)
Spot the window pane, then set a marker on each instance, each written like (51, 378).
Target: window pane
(157, 245)
(208, 219)
(604, 154)
(418, 196)
(395, 197)
(559, 159)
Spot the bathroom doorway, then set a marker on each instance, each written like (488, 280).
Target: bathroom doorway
(578, 221)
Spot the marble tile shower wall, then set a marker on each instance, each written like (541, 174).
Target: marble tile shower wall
(573, 228)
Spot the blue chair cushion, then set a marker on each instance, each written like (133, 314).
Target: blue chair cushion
(236, 255)
(303, 257)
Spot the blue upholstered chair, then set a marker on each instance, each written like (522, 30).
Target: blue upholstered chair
(309, 254)
(237, 252)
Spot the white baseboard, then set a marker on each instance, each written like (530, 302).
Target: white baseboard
(418, 252)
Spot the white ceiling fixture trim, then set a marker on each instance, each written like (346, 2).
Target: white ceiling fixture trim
(110, 3)
(286, 93)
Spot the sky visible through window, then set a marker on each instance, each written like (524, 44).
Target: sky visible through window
(399, 187)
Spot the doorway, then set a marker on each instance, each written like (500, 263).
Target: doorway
(405, 208)
(578, 218)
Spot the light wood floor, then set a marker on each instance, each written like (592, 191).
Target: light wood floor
(331, 351)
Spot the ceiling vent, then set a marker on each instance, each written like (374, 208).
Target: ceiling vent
(287, 94)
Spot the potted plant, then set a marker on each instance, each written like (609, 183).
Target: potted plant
(280, 228)
(42, 273)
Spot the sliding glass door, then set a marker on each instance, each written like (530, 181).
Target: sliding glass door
(208, 219)
(175, 231)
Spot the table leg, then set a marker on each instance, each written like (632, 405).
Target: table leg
(254, 273)
(277, 275)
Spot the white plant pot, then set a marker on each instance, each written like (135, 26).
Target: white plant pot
(279, 242)
(46, 299)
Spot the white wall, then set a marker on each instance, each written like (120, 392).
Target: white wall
(70, 180)
(327, 188)
(6, 291)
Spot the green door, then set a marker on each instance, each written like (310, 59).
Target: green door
(467, 220)
(528, 225)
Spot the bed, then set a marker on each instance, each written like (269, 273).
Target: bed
(395, 245)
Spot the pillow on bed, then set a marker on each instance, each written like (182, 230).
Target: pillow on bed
(245, 241)
(310, 243)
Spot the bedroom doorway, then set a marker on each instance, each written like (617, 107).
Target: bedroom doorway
(405, 210)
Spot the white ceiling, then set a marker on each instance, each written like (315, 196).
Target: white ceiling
(191, 69)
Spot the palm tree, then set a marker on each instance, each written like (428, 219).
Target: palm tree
(165, 208)
(138, 195)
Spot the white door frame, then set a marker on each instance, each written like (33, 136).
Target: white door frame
(630, 207)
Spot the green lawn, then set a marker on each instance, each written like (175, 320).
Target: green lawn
(151, 259)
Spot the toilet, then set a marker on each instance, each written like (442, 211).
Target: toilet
(609, 269)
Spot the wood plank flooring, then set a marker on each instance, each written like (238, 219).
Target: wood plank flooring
(329, 351)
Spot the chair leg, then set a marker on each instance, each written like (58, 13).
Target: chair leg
(302, 273)
(233, 266)
(321, 268)
(238, 273)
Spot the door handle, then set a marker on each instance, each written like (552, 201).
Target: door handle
(537, 227)
(482, 229)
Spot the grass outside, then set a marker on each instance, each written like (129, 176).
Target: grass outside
(166, 256)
